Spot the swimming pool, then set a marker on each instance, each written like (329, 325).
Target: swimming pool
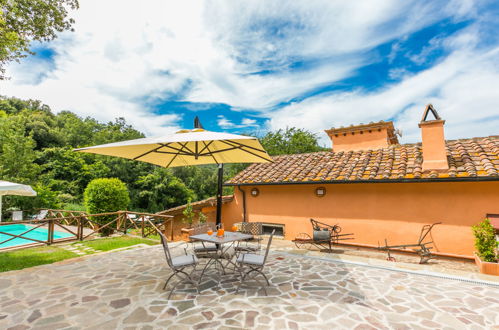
(38, 233)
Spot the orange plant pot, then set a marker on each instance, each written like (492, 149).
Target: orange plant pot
(489, 268)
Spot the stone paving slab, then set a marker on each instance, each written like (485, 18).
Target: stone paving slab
(124, 290)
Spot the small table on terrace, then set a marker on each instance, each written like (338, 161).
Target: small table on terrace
(222, 243)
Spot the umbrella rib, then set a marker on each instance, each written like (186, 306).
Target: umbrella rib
(173, 158)
(205, 146)
(150, 151)
(179, 150)
(218, 151)
(241, 146)
(210, 153)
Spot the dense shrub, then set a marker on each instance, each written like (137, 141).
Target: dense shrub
(106, 195)
(485, 240)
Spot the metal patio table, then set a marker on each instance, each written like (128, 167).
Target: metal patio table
(223, 243)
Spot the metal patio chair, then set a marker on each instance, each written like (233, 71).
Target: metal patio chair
(252, 264)
(177, 265)
(203, 249)
(253, 245)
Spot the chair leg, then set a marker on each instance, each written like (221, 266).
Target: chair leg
(168, 280)
(265, 277)
(241, 281)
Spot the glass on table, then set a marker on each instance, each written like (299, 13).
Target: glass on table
(210, 231)
(234, 228)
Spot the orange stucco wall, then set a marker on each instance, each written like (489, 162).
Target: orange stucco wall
(375, 211)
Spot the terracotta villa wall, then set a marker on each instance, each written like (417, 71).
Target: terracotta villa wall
(373, 212)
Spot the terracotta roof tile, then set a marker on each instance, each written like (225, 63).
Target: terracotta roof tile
(468, 158)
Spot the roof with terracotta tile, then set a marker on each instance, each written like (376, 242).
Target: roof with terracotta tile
(468, 159)
(196, 206)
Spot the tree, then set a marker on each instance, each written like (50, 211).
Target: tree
(160, 190)
(290, 141)
(24, 21)
(106, 195)
(17, 155)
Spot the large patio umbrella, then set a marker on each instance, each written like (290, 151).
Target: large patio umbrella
(189, 147)
(11, 188)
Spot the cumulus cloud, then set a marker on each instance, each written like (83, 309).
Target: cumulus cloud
(253, 55)
(463, 88)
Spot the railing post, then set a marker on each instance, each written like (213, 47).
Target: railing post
(125, 220)
(143, 223)
(50, 238)
(80, 228)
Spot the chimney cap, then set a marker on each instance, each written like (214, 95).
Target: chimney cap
(429, 108)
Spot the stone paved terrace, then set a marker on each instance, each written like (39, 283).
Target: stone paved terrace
(124, 290)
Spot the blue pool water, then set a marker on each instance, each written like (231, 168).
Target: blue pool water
(38, 233)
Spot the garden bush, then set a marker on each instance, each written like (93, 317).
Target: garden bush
(106, 195)
(485, 240)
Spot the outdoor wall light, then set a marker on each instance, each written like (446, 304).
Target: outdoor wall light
(320, 192)
(255, 192)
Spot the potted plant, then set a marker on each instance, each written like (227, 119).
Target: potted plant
(187, 219)
(486, 245)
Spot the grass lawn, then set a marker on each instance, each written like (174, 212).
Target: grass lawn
(48, 254)
(32, 257)
(106, 244)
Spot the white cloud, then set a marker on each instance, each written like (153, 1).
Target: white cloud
(123, 54)
(463, 88)
(225, 123)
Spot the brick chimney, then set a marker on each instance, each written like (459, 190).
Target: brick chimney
(363, 137)
(432, 132)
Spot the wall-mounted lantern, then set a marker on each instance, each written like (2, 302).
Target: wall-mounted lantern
(320, 192)
(255, 192)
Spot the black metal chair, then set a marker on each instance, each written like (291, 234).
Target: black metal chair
(178, 264)
(251, 265)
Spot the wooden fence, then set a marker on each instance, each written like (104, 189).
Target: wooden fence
(82, 225)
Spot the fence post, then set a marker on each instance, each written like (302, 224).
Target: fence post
(50, 238)
(125, 220)
(142, 222)
(80, 228)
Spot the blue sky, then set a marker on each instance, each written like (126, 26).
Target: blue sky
(260, 65)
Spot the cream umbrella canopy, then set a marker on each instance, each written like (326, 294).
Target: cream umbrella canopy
(11, 188)
(189, 147)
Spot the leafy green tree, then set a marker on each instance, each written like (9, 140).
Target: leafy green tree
(202, 180)
(160, 190)
(17, 153)
(106, 195)
(290, 141)
(24, 21)
(69, 172)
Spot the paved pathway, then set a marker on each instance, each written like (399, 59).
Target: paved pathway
(124, 290)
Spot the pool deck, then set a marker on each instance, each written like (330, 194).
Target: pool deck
(124, 290)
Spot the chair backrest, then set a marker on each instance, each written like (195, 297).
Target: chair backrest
(252, 228)
(41, 215)
(17, 215)
(164, 242)
(268, 246)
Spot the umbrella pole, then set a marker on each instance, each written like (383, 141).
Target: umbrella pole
(219, 193)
